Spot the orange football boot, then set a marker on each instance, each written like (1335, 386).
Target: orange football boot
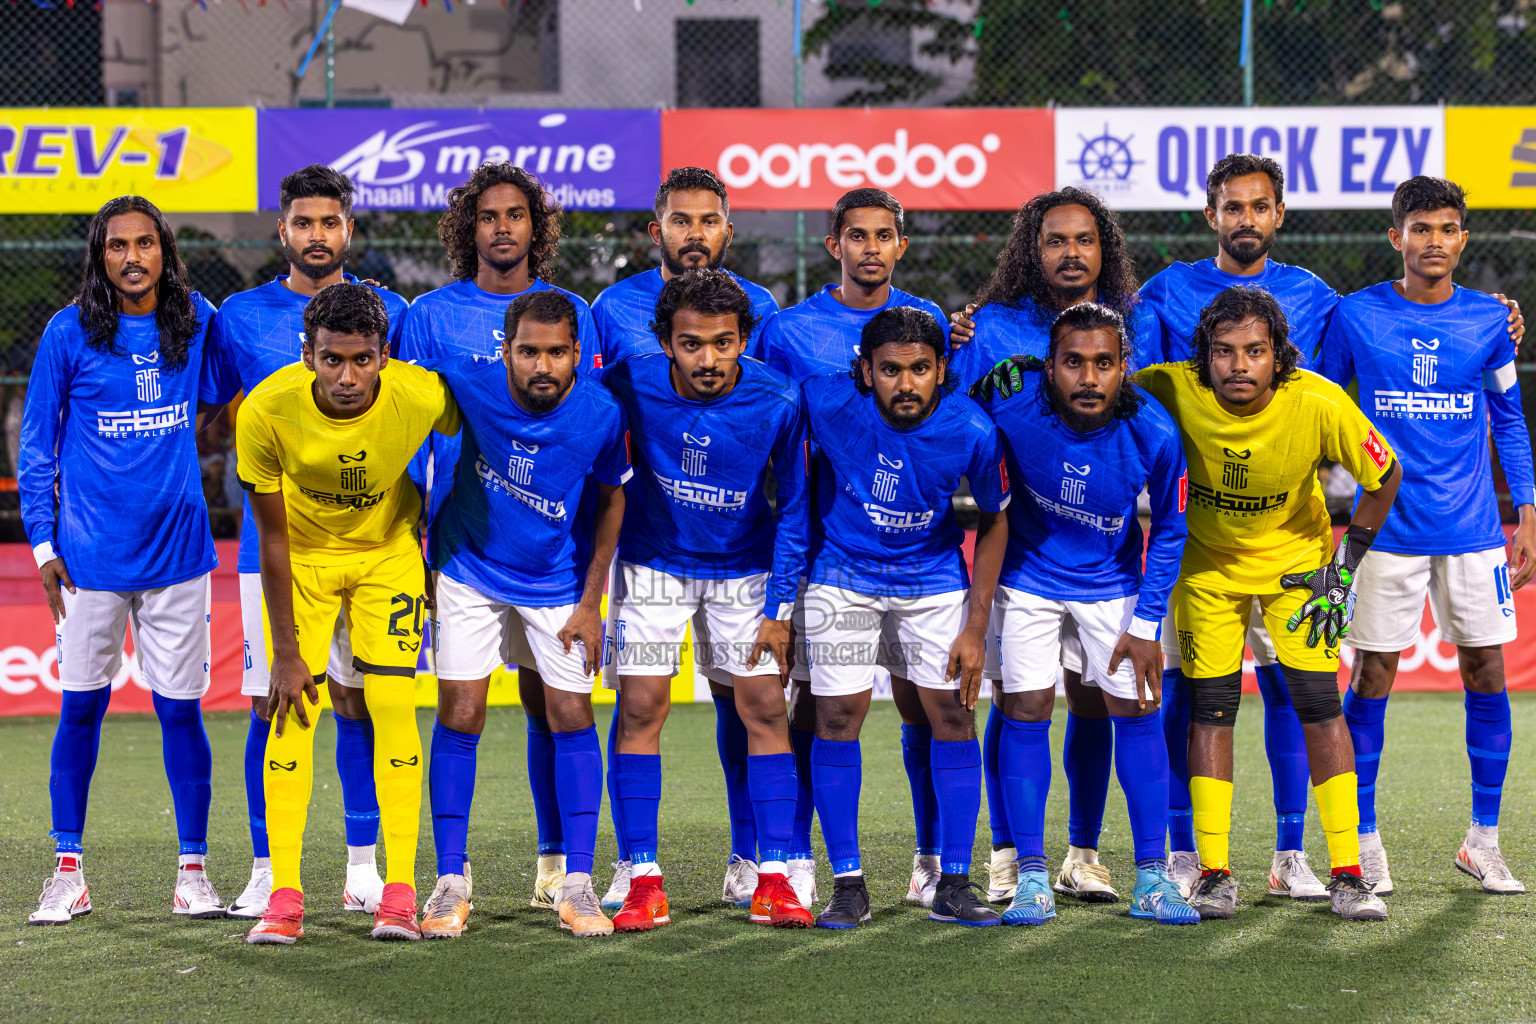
(396, 916)
(774, 902)
(283, 923)
(644, 908)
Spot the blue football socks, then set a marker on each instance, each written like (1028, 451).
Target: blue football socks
(541, 781)
(731, 745)
(837, 772)
(255, 785)
(188, 768)
(1024, 758)
(451, 781)
(1175, 715)
(1086, 753)
(1366, 718)
(354, 763)
(916, 757)
(1141, 764)
(1286, 748)
(1488, 738)
(997, 810)
(805, 804)
(957, 783)
(638, 783)
(578, 781)
(771, 780)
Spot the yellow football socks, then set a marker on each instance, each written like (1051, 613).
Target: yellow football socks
(1212, 803)
(1339, 809)
(396, 770)
(288, 779)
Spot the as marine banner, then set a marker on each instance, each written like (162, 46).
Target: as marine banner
(184, 160)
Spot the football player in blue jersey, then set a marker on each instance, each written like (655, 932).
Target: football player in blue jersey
(701, 544)
(1434, 368)
(1066, 247)
(817, 336)
(522, 549)
(1082, 450)
(112, 502)
(892, 445)
(502, 234)
(256, 333)
(693, 230)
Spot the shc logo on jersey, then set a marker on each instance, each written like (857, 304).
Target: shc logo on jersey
(695, 460)
(1073, 491)
(884, 485)
(521, 471)
(1424, 369)
(147, 385)
(354, 478)
(1234, 475)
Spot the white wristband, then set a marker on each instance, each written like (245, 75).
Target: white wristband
(1145, 629)
(43, 553)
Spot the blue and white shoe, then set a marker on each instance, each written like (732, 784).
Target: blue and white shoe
(1157, 898)
(1034, 903)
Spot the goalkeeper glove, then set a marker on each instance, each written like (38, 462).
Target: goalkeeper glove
(1006, 379)
(1330, 587)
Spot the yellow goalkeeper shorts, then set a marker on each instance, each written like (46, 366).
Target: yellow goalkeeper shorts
(1212, 623)
(384, 601)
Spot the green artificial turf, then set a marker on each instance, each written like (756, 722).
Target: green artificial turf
(1449, 952)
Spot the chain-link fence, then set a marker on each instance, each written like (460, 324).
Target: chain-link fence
(725, 53)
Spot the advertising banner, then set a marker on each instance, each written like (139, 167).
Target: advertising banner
(412, 159)
(1334, 158)
(1491, 152)
(956, 158)
(184, 160)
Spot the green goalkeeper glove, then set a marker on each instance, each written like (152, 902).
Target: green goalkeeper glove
(1330, 586)
(1006, 379)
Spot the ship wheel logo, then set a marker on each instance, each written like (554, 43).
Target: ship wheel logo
(1106, 158)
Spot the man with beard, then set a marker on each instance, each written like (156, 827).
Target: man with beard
(702, 544)
(693, 229)
(522, 549)
(1066, 247)
(1083, 446)
(256, 333)
(892, 446)
(112, 502)
(502, 235)
(814, 337)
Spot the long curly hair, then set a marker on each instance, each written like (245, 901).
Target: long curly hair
(1238, 305)
(175, 316)
(456, 228)
(1019, 281)
(902, 325)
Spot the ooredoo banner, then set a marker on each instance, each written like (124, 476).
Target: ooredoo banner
(1156, 158)
(957, 158)
(411, 159)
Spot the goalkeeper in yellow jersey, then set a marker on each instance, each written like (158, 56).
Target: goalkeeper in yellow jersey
(323, 447)
(1255, 428)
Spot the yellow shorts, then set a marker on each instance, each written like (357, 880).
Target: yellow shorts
(384, 601)
(1211, 625)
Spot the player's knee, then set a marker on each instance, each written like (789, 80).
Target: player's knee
(1314, 695)
(1482, 668)
(643, 709)
(1214, 701)
(837, 719)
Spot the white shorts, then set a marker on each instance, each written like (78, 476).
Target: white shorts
(255, 676)
(170, 633)
(473, 634)
(1029, 630)
(1469, 595)
(1258, 640)
(845, 631)
(649, 615)
(1071, 649)
(888, 655)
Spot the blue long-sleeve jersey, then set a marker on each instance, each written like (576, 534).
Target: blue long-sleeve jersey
(696, 506)
(623, 312)
(1074, 535)
(112, 437)
(1003, 331)
(1431, 378)
(884, 495)
(1177, 294)
(821, 335)
(254, 334)
(462, 319)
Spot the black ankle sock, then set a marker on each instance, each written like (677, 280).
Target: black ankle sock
(947, 880)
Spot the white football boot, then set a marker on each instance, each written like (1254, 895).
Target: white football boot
(1003, 875)
(1481, 858)
(65, 896)
(613, 899)
(740, 882)
(252, 903)
(1291, 875)
(1083, 878)
(1184, 871)
(1373, 864)
(925, 879)
(195, 896)
(802, 879)
(364, 886)
(548, 882)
